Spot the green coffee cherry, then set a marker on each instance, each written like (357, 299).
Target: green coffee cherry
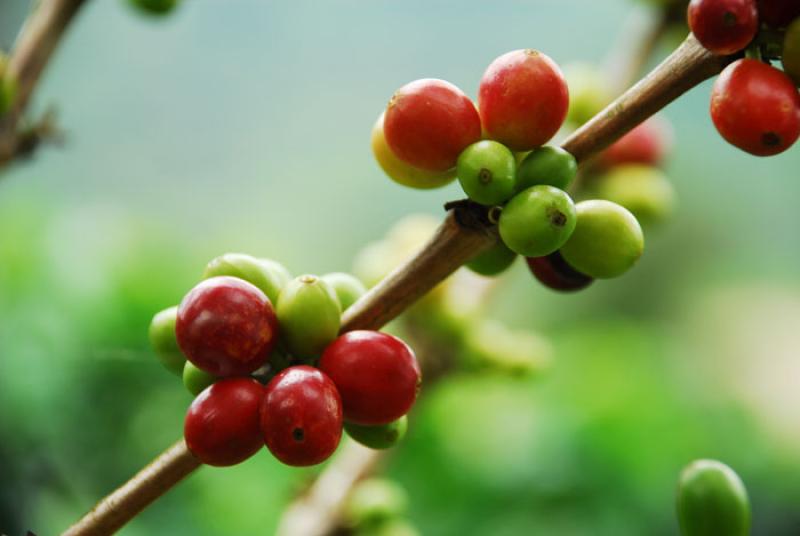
(348, 288)
(547, 165)
(644, 190)
(393, 527)
(164, 341)
(155, 7)
(493, 261)
(589, 92)
(712, 501)
(607, 240)
(375, 501)
(195, 379)
(266, 274)
(309, 315)
(491, 346)
(486, 171)
(791, 51)
(378, 437)
(537, 221)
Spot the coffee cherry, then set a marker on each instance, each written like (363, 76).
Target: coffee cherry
(493, 261)
(756, 107)
(712, 501)
(778, 13)
(309, 314)
(429, 122)
(401, 172)
(266, 274)
(523, 99)
(589, 92)
(553, 272)
(301, 416)
(164, 342)
(547, 165)
(348, 288)
(791, 51)
(376, 374)
(644, 190)
(537, 221)
(486, 171)
(222, 425)
(196, 380)
(647, 143)
(607, 240)
(155, 7)
(382, 436)
(723, 26)
(226, 326)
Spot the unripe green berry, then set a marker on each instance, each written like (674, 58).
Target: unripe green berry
(712, 501)
(486, 172)
(607, 240)
(348, 288)
(269, 276)
(644, 190)
(589, 92)
(493, 261)
(196, 379)
(309, 315)
(155, 7)
(374, 501)
(537, 221)
(164, 342)
(547, 165)
(791, 51)
(378, 437)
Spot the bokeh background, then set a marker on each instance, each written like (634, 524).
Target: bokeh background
(244, 126)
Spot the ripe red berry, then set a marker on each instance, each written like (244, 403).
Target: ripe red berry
(645, 144)
(553, 272)
(301, 416)
(723, 26)
(778, 13)
(376, 374)
(756, 107)
(226, 326)
(429, 122)
(222, 424)
(523, 99)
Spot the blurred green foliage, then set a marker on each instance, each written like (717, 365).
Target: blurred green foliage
(244, 126)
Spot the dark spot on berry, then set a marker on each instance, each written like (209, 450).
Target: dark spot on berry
(485, 176)
(729, 19)
(298, 434)
(770, 139)
(557, 218)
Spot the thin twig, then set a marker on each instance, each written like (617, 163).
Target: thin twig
(460, 237)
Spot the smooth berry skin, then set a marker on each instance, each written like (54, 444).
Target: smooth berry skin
(348, 288)
(644, 190)
(553, 272)
(301, 416)
(778, 13)
(222, 425)
(756, 108)
(712, 501)
(791, 51)
(164, 341)
(226, 326)
(523, 99)
(547, 165)
(537, 221)
(376, 374)
(723, 26)
(647, 143)
(493, 261)
(309, 313)
(379, 437)
(486, 171)
(155, 7)
(196, 380)
(269, 276)
(429, 122)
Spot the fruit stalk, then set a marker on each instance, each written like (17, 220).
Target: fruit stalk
(465, 232)
(35, 45)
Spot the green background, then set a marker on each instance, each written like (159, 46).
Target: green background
(244, 126)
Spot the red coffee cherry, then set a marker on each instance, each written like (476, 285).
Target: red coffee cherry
(226, 326)
(553, 272)
(756, 107)
(376, 374)
(523, 99)
(429, 122)
(778, 13)
(301, 416)
(222, 424)
(723, 26)
(645, 144)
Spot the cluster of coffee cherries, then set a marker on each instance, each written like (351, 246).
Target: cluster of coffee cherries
(754, 106)
(281, 374)
(431, 132)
